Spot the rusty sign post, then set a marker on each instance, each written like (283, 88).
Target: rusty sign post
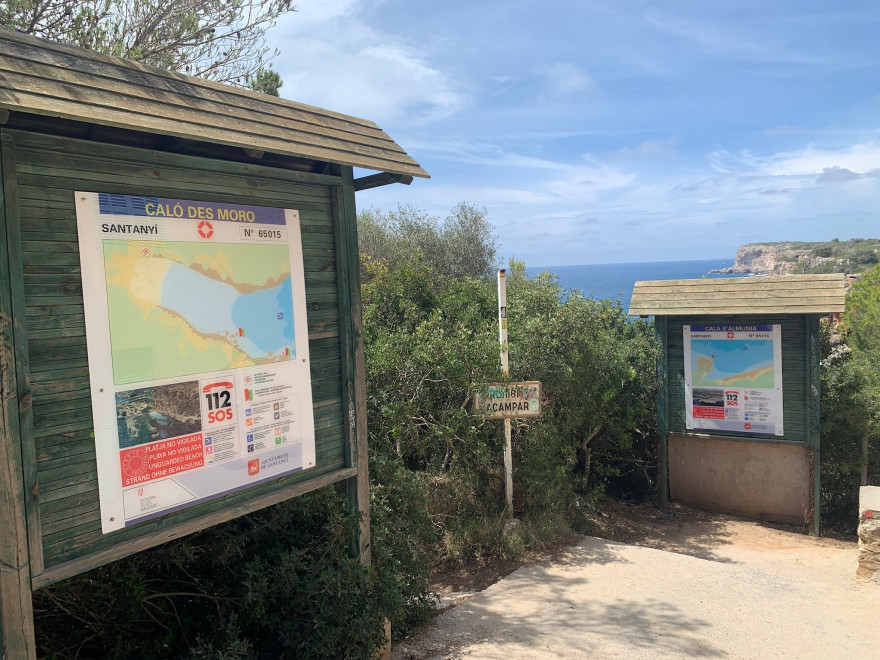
(507, 400)
(505, 372)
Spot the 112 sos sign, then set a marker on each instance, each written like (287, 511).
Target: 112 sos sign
(218, 403)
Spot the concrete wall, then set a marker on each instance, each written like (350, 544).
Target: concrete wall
(751, 479)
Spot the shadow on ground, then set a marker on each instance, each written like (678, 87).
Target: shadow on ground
(651, 627)
(675, 529)
(549, 591)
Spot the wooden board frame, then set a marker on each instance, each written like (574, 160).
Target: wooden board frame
(16, 608)
(328, 208)
(806, 408)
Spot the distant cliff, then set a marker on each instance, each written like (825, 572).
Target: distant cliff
(853, 256)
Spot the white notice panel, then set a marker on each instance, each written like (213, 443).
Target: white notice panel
(733, 378)
(198, 350)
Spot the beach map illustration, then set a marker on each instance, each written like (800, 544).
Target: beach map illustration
(221, 306)
(733, 378)
(198, 350)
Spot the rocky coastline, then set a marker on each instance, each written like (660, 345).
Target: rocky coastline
(782, 259)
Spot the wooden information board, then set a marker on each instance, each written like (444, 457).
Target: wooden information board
(112, 442)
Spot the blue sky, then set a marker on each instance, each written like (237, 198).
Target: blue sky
(616, 130)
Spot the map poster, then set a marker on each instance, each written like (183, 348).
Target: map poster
(197, 348)
(733, 378)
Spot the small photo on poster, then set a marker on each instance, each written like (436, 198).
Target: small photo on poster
(708, 397)
(150, 414)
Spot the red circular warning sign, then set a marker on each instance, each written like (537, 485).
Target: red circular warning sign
(135, 463)
(206, 229)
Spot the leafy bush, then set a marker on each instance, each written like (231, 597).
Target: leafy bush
(862, 316)
(850, 402)
(844, 422)
(598, 370)
(279, 583)
(401, 530)
(462, 245)
(274, 584)
(431, 339)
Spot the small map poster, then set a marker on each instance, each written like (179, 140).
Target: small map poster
(197, 348)
(733, 378)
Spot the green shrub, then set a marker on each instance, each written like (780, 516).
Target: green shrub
(274, 584)
(279, 583)
(844, 414)
(401, 533)
(850, 405)
(430, 339)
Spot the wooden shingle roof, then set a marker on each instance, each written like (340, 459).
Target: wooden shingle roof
(789, 294)
(56, 80)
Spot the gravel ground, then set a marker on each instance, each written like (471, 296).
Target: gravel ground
(722, 588)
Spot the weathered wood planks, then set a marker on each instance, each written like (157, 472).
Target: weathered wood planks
(74, 84)
(790, 294)
(46, 170)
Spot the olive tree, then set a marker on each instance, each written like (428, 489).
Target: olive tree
(460, 245)
(222, 40)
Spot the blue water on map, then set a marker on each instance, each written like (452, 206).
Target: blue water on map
(212, 307)
(616, 280)
(203, 302)
(267, 316)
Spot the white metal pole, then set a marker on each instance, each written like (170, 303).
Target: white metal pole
(505, 371)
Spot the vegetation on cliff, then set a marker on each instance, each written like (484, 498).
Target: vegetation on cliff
(801, 257)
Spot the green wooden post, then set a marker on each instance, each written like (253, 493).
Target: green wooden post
(354, 370)
(663, 406)
(16, 607)
(20, 340)
(813, 405)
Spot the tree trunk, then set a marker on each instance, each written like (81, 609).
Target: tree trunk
(588, 455)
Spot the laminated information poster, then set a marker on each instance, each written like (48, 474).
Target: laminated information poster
(733, 378)
(198, 350)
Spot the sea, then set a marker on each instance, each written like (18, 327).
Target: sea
(616, 280)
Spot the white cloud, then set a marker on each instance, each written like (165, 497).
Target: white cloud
(862, 157)
(746, 43)
(332, 58)
(311, 13)
(606, 209)
(501, 102)
(858, 158)
(664, 149)
(481, 153)
(783, 130)
(567, 78)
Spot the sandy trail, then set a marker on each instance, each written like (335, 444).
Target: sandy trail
(720, 587)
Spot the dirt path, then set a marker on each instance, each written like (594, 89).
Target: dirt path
(706, 586)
